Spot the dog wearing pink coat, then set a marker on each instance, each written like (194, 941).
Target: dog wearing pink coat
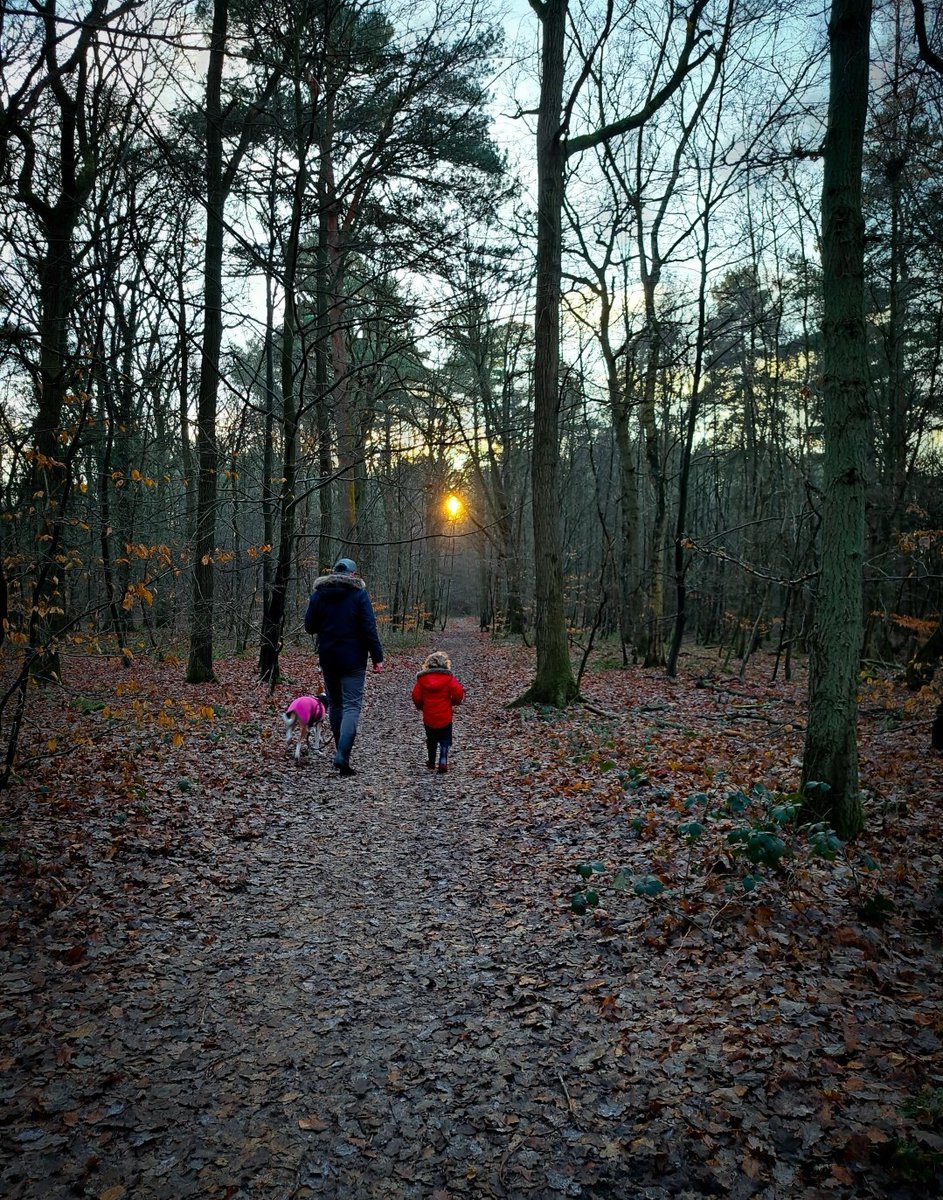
(303, 719)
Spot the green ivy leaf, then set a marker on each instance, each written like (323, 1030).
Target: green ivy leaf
(648, 885)
(825, 843)
(763, 847)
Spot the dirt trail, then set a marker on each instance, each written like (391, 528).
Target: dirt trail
(355, 1007)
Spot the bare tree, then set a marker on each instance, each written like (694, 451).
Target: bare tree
(554, 682)
(219, 177)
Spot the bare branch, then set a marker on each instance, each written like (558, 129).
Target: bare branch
(927, 53)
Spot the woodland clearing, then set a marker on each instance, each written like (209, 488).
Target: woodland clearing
(227, 975)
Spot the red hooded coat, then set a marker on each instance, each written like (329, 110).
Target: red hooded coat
(435, 694)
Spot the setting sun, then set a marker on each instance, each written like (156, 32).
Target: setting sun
(453, 506)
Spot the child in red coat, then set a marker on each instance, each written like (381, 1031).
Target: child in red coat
(435, 693)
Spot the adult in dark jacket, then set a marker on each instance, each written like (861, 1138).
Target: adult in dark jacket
(341, 615)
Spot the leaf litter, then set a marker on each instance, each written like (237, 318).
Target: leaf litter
(229, 975)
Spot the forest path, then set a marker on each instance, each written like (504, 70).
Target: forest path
(413, 965)
(360, 988)
(228, 976)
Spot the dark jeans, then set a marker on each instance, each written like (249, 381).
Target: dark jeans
(344, 702)
(438, 738)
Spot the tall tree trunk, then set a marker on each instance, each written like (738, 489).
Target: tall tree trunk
(620, 411)
(554, 682)
(326, 545)
(200, 666)
(432, 524)
(57, 374)
(687, 452)
(831, 747)
(183, 390)
(652, 639)
(269, 498)
(331, 237)
(273, 613)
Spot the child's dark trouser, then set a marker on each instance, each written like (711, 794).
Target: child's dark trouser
(438, 738)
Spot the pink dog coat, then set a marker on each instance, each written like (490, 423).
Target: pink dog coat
(308, 709)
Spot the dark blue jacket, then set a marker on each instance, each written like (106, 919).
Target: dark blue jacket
(341, 615)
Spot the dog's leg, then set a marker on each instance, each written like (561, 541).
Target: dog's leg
(302, 747)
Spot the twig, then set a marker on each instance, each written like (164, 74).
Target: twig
(516, 1142)
(60, 908)
(569, 1098)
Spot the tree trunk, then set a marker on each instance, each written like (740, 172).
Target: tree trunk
(200, 666)
(620, 409)
(326, 545)
(554, 682)
(331, 237)
(183, 391)
(273, 613)
(684, 474)
(831, 748)
(923, 665)
(653, 652)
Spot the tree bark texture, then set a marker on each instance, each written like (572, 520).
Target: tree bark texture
(652, 636)
(554, 682)
(831, 749)
(200, 666)
(292, 384)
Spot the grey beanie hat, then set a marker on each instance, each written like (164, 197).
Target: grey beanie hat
(345, 566)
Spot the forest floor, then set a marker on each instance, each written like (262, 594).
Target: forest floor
(227, 975)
